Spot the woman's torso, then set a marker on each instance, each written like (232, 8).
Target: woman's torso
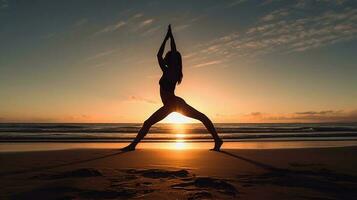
(167, 88)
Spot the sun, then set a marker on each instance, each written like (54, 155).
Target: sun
(177, 118)
(180, 136)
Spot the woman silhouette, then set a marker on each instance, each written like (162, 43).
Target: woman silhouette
(171, 67)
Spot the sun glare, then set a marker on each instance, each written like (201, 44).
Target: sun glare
(180, 135)
(177, 118)
(179, 145)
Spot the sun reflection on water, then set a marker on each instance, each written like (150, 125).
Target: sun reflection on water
(180, 145)
(179, 130)
(180, 135)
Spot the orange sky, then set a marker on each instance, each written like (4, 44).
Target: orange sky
(242, 61)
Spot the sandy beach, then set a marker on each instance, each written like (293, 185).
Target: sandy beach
(153, 173)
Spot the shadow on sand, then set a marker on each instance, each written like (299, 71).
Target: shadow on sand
(39, 169)
(322, 180)
(256, 163)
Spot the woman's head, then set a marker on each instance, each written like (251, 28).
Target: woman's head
(173, 60)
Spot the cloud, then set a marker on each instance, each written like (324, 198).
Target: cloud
(27, 119)
(307, 116)
(142, 99)
(138, 15)
(188, 22)
(100, 64)
(151, 31)
(306, 3)
(182, 27)
(146, 22)
(266, 2)
(101, 54)
(256, 113)
(112, 27)
(325, 112)
(275, 14)
(235, 3)
(80, 117)
(144, 27)
(132, 23)
(286, 30)
(214, 62)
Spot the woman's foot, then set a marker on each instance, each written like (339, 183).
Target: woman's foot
(217, 145)
(128, 148)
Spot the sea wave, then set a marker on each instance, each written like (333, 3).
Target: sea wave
(164, 128)
(124, 132)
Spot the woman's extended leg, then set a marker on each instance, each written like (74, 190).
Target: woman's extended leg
(189, 111)
(154, 118)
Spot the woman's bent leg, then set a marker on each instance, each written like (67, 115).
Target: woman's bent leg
(189, 111)
(154, 118)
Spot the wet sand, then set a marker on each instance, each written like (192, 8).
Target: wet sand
(153, 173)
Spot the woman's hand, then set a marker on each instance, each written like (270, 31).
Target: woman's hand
(173, 45)
(169, 31)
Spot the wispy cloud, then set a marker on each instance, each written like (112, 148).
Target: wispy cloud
(280, 13)
(307, 116)
(152, 30)
(142, 99)
(182, 27)
(144, 27)
(205, 64)
(285, 30)
(235, 3)
(138, 15)
(112, 27)
(98, 65)
(187, 22)
(307, 3)
(132, 23)
(266, 2)
(324, 112)
(80, 117)
(101, 54)
(146, 22)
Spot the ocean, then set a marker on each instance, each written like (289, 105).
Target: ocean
(124, 132)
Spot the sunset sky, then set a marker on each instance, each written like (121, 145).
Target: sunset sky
(243, 61)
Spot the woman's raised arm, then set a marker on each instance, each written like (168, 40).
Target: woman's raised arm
(172, 41)
(161, 52)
